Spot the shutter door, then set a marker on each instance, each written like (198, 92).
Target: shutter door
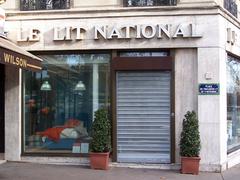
(143, 117)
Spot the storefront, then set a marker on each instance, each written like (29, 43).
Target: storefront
(2, 136)
(148, 74)
(233, 102)
(233, 65)
(14, 58)
(72, 86)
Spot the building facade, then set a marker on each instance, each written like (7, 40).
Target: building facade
(148, 62)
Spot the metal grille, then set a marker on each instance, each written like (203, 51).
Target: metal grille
(150, 2)
(231, 6)
(31, 5)
(143, 117)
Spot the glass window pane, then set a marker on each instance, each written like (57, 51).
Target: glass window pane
(26, 5)
(233, 102)
(150, 2)
(231, 6)
(61, 100)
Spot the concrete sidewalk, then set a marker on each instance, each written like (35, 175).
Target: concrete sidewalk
(29, 171)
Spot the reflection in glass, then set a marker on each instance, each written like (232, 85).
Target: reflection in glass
(61, 100)
(150, 2)
(28, 5)
(80, 86)
(233, 102)
(144, 54)
(46, 86)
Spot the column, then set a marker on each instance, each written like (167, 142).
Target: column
(13, 101)
(95, 88)
(212, 110)
(185, 89)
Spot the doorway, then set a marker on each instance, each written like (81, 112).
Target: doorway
(143, 116)
(2, 98)
(142, 102)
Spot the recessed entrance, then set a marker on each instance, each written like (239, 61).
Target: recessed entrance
(143, 128)
(2, 124)
(143, 111)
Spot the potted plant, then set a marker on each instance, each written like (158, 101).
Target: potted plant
(101, 140)
(190, 144)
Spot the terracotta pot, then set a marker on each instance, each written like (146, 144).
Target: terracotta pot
(190, 165)
(99, 160)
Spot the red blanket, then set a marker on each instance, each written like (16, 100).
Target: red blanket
(53, 133)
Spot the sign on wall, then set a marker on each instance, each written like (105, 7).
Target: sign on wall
(209, 89)
(12, 55)
(107, 32)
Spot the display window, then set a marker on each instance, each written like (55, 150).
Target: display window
(233, 103)
(59, 102)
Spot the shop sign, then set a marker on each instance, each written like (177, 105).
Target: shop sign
(19, 60)
(209, 89)
(141, 31)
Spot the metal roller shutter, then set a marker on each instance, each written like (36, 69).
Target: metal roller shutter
(143, 117)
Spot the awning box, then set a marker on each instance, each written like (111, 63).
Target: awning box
(11, 54)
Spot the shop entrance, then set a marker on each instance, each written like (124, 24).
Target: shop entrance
(143, 128)
(143, 116)
(2, 124)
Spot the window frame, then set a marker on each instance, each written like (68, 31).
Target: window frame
(171, 3)
(231, 6)
(234, 147)
(22, 8)
(25, 153)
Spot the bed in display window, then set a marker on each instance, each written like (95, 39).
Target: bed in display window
(64, 137)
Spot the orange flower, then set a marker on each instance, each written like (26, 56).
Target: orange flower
(45, 110)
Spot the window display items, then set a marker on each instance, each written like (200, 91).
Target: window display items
(61, 100)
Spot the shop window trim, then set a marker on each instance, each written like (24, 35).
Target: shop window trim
(146, 3)
(233, 149)
(236, 146)
(48, 153)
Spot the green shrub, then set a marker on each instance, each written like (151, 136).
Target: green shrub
(190, 144)
(101, 132)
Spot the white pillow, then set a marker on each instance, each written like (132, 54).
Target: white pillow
(81, 130)
(69, 133)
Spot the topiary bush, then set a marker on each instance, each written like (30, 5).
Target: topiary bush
(101, 132)
(190, 144)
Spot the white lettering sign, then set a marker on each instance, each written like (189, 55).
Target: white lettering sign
(139, 31)
(32, 35)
